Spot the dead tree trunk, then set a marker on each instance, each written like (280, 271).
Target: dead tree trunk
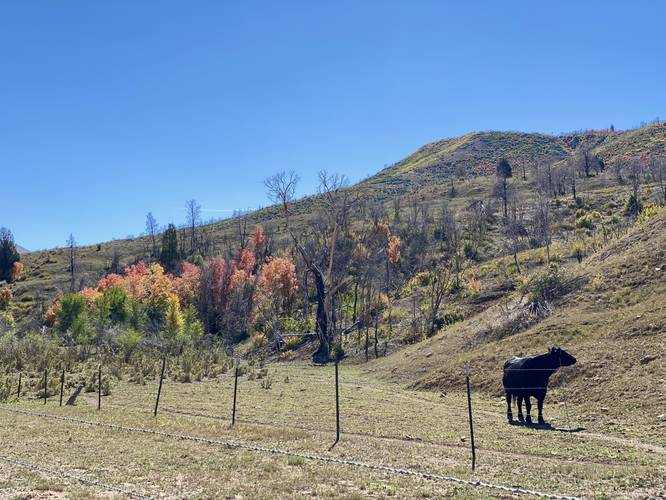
(72, 399)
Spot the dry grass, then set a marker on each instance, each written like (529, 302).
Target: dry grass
(382, 423)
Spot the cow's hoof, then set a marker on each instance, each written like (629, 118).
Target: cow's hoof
(528, 420)
(521, 418)
(541, 421)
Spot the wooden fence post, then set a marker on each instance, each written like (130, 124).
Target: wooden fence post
(45, 383)
(159, 389)
(233, 412)
(99, 386)
(18, 392)
(62, 384)
(469, 408)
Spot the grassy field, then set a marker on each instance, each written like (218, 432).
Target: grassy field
(292, 408)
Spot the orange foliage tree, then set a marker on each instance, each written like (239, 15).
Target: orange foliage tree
(16, 271)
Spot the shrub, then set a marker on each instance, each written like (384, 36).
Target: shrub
(72, 306)
(633, 206)
(267, 382)
(646, 214)
(114, 305)
(544, 287)
(470, 250)
(587, 221)
(5, 298)
(579, 251)
(128, 342)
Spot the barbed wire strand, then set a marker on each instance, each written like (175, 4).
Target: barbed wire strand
(67, 475)
(307, 456)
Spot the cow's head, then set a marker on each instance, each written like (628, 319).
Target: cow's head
(564, 358)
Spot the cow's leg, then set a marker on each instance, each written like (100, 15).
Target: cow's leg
(520, 408)
(540, 407)
(509, 415)
(528, 410)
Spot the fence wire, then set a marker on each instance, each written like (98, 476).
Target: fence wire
(67, 475)
(306, 456)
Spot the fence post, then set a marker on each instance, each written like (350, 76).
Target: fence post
(99, 386)
(159, 389)
(469, 408)
(337, 406)
(18, 393)
(45, 383)
(233, 413)
(62, 384)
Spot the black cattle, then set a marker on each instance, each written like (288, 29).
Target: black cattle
(528, 377)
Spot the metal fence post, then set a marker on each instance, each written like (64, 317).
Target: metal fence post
(469, 408)
(159, 388)
(99, 386)
(233, 413)
(62, 384)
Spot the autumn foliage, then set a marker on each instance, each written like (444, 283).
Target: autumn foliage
(219, 297)
(17, 270)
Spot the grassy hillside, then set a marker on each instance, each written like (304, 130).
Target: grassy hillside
(613, 320)
(426, 173)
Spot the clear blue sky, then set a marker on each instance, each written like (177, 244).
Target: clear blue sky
(109, 110)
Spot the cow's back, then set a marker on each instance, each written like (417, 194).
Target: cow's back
(514, 377)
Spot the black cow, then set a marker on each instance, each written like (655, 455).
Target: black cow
(528, 377)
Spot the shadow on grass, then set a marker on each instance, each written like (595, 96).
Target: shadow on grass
(545, 427)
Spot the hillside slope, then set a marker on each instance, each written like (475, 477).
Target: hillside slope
(614, 322)
(427, 172)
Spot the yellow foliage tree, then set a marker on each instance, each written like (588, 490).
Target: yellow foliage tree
(173, 326)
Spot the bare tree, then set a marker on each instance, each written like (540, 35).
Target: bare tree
(634, 169)
(323, 253)
(440, 282)
(572, 172)
(71, 246)
(542, 222)
(241, 225)
(452, 237)
(151, 230)
(587, 162)
(514, 230)
(193, 210)
(658, 167)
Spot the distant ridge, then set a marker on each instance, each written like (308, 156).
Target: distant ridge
(21, 249)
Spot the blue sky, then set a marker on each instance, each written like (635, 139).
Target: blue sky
(109, 110)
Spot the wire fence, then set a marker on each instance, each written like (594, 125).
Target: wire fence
(306, 456)
(73, 477)
(459, 411)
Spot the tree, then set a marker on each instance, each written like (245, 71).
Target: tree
(324, 252)
(659, 174)
(151, 230)
(452, 236)
(8, 254)
(71, 245)
(588, 162)
(277, 285)
(514, 230)
(571, 163)
(193, 210)
(439, 284)
(169, 256)
(503, 172)
(542, 223)
(173, 326)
